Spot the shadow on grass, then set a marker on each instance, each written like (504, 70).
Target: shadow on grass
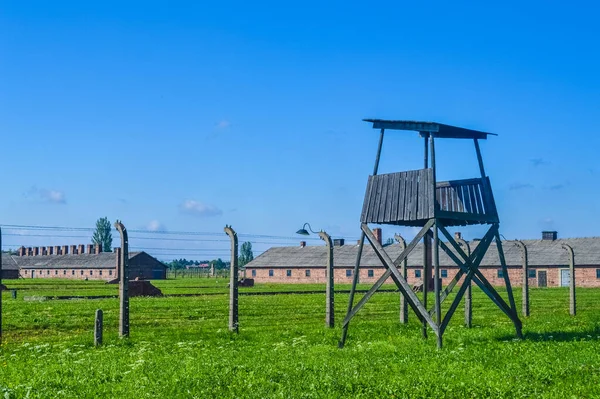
(556, 336)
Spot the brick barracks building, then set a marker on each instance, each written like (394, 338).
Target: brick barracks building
(548, 263)
(78, 262)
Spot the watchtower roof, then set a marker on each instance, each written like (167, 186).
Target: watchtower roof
(435, 129)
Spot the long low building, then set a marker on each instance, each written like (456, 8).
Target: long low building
(10, 269)
(77, 263)
(548, 263)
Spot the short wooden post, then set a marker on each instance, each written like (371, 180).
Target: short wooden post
(13, 294)
(468, 293)
(329, 273)
(233, 280)
(572, 304)
(98, 328)
(525, 285)
(123, 260)
(404, 271)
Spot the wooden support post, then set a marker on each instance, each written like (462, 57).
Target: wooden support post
(98, 328)
(404, 271)
(437, 284)
(123, 281)
(426, 242)
(572, 304)
(361, 244)
(233, 280)
(329, 274)
(468, 293)
(525, 285)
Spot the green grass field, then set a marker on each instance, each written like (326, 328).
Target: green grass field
(180, 346)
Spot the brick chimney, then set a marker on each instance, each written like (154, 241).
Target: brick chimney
(90, 249)
(43, 251)
(378, 235)
(302, 244)
(50, 251)
(57, 250)
(457, 235)
(549, 235)
(97, 249)
(81, 249)
(65, 250)
(36, 251)
(29, 251)
(74, 249)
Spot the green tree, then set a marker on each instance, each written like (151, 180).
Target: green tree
(246, 254)
(102, 235)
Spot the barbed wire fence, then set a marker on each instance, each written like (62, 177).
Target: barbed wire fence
(255, 311)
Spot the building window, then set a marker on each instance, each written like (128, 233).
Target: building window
(307, 273)
(288, 273)
(444, 273)
(48, 272)
(100, 272)
(597, 273)
(73, 272)
(370, 273)
(531, 273)
(348, 272)
(271, 273)
(253, 272)
(64, 272)
(26, 271)
(500, 273)
(55, 272)
(82, 272)
(91, 272)
(417, 273)
(110, 272)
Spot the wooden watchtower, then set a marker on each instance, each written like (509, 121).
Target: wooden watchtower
(416, 198)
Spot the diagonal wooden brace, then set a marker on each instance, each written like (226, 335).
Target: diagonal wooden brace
(403, 286)
(482, 282)
(474, 259)
(474, 265)
(388, 273)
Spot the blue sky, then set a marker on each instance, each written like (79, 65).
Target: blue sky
(187, 116)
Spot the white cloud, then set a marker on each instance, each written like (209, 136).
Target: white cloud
(224, 124)
(46, 195)
(155, 225)
(197, 208)
(55, 196)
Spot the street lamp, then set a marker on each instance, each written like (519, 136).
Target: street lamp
(305, 232)
(329, 294)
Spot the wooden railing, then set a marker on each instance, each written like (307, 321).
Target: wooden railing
(406, 198)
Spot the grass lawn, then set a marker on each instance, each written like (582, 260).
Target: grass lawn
(180, 346)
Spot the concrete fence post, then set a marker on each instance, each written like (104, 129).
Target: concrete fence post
(469, 292)
(572, 304)
(98, 328)
(525, 285)
(329, 274)
(123, 271)
(404, 271)
(233, 280)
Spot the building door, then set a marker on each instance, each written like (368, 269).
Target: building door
(32, 273)
(565, 277)
(542, 278)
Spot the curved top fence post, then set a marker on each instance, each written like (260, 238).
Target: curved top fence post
(123, 281)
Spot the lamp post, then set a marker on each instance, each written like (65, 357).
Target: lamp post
(329, 294)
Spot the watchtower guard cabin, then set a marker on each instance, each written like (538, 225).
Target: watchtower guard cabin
(416, 198)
